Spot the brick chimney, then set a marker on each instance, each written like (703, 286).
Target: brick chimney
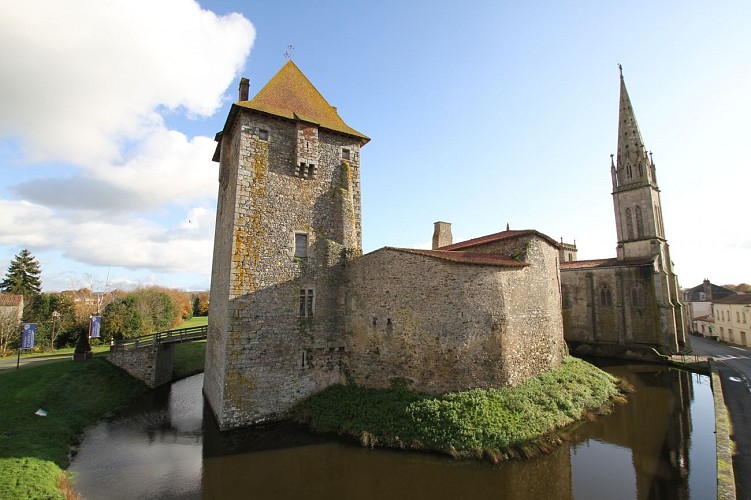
(244, 88)
(442, 234)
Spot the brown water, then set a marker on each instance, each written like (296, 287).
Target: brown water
(661, 445)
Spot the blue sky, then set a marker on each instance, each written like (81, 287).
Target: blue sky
(480, 114)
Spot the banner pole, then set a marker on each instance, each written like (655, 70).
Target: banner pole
(18, 361)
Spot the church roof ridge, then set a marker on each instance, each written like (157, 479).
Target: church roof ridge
(610, 262)
(289, 94)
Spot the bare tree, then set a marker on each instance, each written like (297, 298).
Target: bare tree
(10, 329)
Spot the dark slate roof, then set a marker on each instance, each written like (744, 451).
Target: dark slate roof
(486, 259)
(602, 263)
(741, 298)
(716, 292)
(503, 235)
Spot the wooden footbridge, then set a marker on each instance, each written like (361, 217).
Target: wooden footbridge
(149, 357)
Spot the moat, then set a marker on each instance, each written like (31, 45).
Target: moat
(660, 445)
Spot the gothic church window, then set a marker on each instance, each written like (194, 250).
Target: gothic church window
(629, 224)
(606, 296)
(639, 223)
(306, 303)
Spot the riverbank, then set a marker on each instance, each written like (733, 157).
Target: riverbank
(495, 424)
(34, 450)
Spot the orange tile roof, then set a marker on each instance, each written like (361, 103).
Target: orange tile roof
(487, 259)
(9, 299)
(290, 94)
(503, 235)
(706, 319)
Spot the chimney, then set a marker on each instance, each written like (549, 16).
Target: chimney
(244, 88)
(442, 234)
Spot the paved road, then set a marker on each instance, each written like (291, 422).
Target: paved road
(9, 363)
(734, 365)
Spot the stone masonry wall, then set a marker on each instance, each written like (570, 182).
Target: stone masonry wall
(441, 326)
(150, 364)
(631, 317)
(273, 356)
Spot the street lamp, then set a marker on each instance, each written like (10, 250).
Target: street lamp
(55, 315)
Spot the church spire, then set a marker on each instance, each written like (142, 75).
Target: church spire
(633, 164)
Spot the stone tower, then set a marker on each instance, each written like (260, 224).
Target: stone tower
(638, 218)
(288, 219)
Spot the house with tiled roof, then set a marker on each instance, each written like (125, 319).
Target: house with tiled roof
(11, 306)
(697, 301)
(732, 316)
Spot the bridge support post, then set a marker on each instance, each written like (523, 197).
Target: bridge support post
(151, 364)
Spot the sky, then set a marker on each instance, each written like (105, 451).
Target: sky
(480, 114)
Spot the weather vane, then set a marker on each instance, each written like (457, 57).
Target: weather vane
(288, 52)
(620, 68)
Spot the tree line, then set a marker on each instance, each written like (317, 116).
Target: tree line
(63, 317)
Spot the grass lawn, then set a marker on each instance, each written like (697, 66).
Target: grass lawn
(75, 394)
(496, 424)
(195, 321)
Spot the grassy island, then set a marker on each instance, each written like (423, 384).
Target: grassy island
(496, 424)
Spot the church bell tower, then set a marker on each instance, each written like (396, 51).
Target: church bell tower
(638, 214)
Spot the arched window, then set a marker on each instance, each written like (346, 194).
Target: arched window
(606, 297)
(629, 224)
(637, 295)
(639, 223)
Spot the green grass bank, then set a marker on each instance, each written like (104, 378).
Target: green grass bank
(34, 450)
(495, 424)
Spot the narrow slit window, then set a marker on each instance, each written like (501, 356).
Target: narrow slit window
(301, 245)
(345, 154)
(311, 171)
(306, 303)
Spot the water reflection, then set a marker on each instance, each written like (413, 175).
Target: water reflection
(660, 445)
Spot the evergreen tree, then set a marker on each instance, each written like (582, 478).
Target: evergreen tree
(23, 275)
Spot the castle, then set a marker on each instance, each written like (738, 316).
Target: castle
(296, 307)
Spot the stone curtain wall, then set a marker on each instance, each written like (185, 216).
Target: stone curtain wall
(264, 356)
(442, 326)
(150, 364)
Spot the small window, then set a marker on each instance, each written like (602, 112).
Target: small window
(263, 134)
(306, 303)
(606, 297)
(301, 245)
(345, 154)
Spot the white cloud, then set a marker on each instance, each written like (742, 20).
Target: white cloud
(82, 78)
(87, 85)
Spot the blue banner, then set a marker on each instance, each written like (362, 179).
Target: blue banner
(27, 335)
(95, 327)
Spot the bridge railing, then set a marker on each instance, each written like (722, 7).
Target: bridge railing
(168, 337)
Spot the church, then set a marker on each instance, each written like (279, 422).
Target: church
(296, 307)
